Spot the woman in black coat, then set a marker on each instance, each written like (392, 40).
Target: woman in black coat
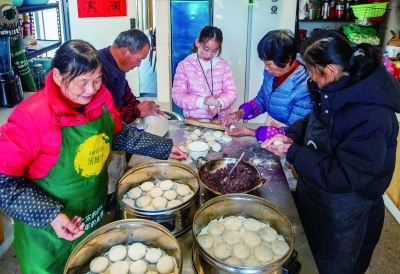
(344, 151)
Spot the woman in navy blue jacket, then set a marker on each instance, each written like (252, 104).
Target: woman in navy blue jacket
(344, 151)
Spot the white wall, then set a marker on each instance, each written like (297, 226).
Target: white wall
(392, 21)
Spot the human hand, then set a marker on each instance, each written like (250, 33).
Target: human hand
(232, 118)
(67, 229)
(177, 154)
(278, 149)
(213, 110)
(241, 131)
(211, 101)
(150, 108)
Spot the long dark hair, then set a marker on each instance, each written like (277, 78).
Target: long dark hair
(278, 46)
(76, 57)
(208, 33)
(331, 47)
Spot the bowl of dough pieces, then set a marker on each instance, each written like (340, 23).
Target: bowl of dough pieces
(241, 233)
(243, 179)
(166, 192)
(132, 246)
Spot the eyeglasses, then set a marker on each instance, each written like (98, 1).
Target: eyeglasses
(209, 52)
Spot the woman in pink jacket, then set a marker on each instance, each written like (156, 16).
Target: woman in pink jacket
(203, 84)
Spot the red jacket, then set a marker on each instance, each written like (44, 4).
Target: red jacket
(30, 142)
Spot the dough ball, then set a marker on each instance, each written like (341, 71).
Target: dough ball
(137, 251)
(153, 255)
(277, 143)
(197, 132)
(210, 138)
(151, 272)
(251, 239)
(279, 247)
(159, 203)
(166, 185)
(99, 264)
(138, 267)
(241, 252)
(233, 223)
(231, 126)
(194, 136)
(217, 134)
(143, 201)
(204, 120)
(183, 148)
(226, 138)
(211, 143)
(165, 265)
(251, 224)
(183, 190)
(268, 234)
(156, 192)
(120, 267)
(216, 147)
(187, 197)
(173, 203)
(206, 241)
(222, 251)
(135, 193)
(215, 228)
(211, 107)
(264, 254)
(207, 133)
(149, 207)
(188, 141)
(231, 237)
(129, 202)
(252, 262)
(117, 253)
(170, 195)
(147, 186)
(234, 261)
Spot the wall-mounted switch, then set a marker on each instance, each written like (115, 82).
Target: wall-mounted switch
(133, 23)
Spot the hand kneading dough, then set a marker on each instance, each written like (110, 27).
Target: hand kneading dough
(165, 265)
(183, 190)
(138, 267)
(233, 223)
(147, 186)
(129, 202)
(241, 252)
(173, 203)
(215, 228)
(120, 267)
(279, 247)
(99, 264)
(197, 132)
(231, 237)
(251, 224)
(156, 192)
(251, 239)
(222, 251)
(226, 138)
(170, 195)
(136, 251)
(252, 262)
(206, 241)
(166, 185)
(234, 261)
(135, 193)
(117, 253)
(143, 201)
(194, 136)
(159, 203)
(264, 254)
(216, 147)
(153, 255)
(268, 234)
(277, 143)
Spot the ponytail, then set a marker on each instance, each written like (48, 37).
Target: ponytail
(364, 60)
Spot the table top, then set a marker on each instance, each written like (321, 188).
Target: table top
(275, 190)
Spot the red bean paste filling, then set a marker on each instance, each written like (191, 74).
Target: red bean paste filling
(242, 178)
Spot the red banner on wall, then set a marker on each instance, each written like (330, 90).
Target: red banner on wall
(101, 8)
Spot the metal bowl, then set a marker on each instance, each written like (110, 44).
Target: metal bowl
(123, 232)
(204, 165)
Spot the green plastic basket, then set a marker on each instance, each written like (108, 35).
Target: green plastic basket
(369, 10)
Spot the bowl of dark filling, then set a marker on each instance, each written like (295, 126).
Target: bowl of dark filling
(243, 179)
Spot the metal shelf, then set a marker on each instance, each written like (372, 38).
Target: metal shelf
(47, 46)
(25, 9)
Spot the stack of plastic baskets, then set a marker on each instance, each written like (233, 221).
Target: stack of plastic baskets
(369, 10)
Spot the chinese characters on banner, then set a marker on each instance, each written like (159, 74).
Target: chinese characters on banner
(101, 8)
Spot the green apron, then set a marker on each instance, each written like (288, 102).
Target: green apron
(79, 181)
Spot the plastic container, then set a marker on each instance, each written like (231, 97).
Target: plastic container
(35, 2)
(369, 10)
(17, 3)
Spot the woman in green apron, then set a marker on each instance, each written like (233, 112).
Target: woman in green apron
(344, 151)
(53, 177)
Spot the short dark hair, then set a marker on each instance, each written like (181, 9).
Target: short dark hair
(331, 47)
(133, 39)
(208, 33)
(76, 57)
(278, 46)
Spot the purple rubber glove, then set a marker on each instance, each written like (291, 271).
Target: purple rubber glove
(248, 111)
(267, 132)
